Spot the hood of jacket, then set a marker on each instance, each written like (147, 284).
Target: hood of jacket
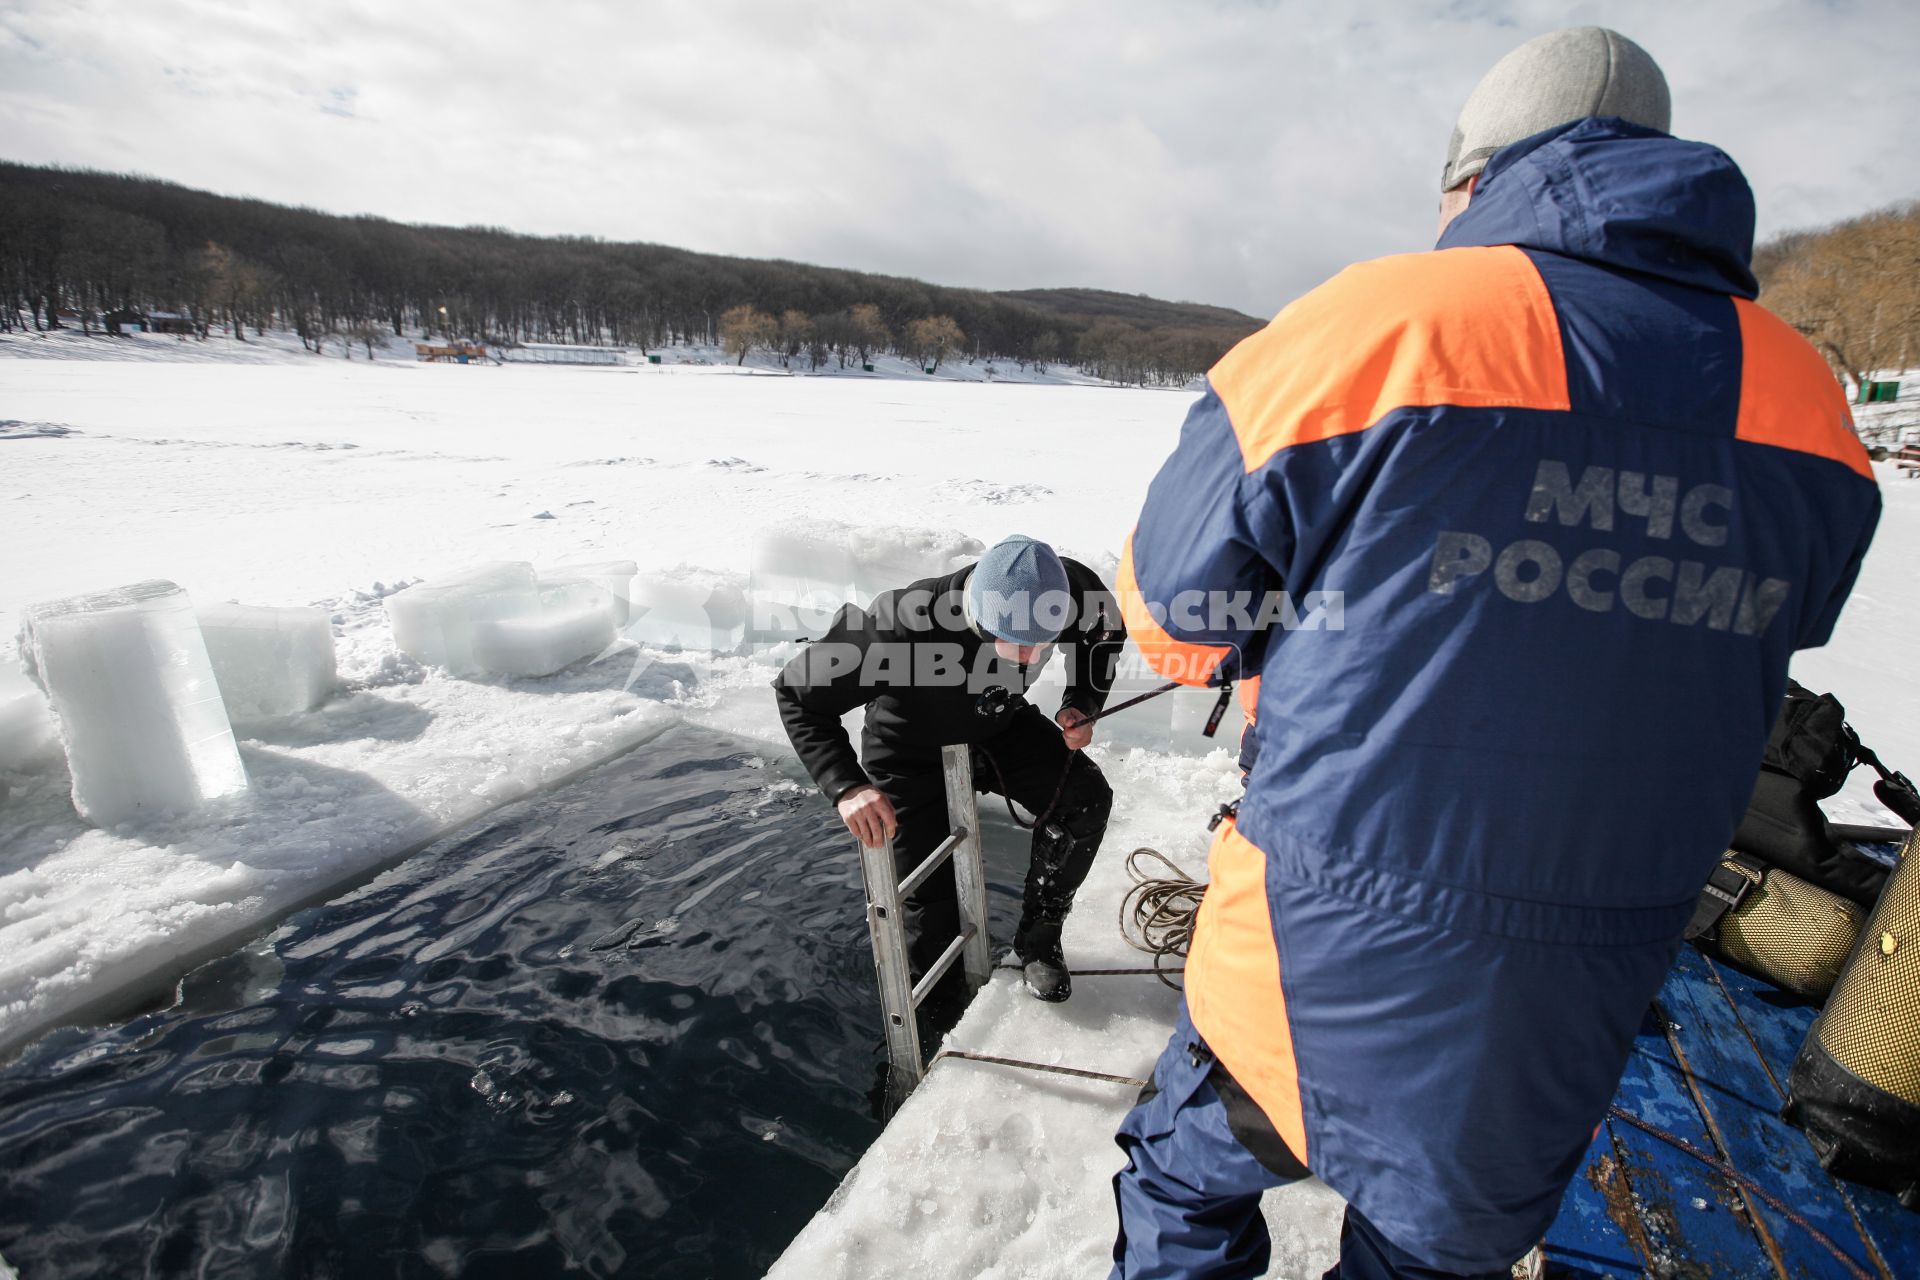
(1620, 195)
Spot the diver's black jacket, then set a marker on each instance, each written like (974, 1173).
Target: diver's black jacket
(925, 675)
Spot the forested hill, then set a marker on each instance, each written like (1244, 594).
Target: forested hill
(86, 243)
(1135, 309)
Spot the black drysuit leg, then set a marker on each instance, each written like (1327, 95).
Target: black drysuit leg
(1027, 762)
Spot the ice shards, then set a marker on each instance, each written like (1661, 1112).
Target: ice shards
(269, 662)
(132, 690)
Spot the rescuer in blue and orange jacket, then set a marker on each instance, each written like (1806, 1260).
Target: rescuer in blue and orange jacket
(1581, 498)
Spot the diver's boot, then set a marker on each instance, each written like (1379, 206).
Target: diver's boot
(1042, 965)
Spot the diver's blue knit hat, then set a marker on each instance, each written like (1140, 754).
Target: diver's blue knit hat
(1018, 592)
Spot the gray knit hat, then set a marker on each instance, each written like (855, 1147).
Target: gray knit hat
(1018, 592)
(1551, 80)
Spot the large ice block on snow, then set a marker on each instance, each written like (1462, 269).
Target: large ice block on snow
(269, 662)
(574, 620)
(26, 725)
(434, 621)
(800, 578)
(616, 576)
(887, 557)
(135, 700)
(803, 567)
(687, 611)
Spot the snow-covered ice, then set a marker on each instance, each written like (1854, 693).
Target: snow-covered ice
(134, 698)
(217, 474)
(269, 662)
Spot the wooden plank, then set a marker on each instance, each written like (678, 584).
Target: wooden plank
(1685, 1219)
(1740, 1102)
(1777, 1023)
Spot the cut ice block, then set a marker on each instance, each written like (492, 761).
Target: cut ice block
(574, 620)
(133, 694)
(888, 557)
(793, 566)
(614, 575)
(800, 580)
(687, 613)
(434, 621)
(26, 725)
(269, 662)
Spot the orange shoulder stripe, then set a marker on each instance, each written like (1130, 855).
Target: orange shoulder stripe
(1233, 985)
(1472, 327)
(1789, 398)
(1174, 659)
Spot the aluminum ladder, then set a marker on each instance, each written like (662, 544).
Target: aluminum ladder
(900, 996)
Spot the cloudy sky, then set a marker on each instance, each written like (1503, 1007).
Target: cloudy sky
(1226, 151)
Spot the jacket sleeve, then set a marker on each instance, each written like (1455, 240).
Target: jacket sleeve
(1099, 636)
(1197, 570)
(814, 690)
(1819, 627)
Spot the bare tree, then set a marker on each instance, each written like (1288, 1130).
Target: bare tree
(744, 328)
(931, 338)
(795, 330)
(869, 330)
(1853, 290)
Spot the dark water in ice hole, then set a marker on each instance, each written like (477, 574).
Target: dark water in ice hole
(437, 1074)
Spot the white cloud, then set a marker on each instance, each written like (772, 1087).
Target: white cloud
(1226, 152)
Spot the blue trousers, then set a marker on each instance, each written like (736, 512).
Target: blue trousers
(1189, 1198)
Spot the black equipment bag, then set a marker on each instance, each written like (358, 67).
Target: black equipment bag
(1808, 758)
(1855, 1086)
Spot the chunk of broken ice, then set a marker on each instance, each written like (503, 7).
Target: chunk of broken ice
(616, 576)
(133, 695)
(687, 612)
(269, 662)
(26, 725)
(573, 620)
(793, 566)
(433, 622)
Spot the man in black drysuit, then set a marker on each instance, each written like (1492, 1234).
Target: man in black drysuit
(946, 661)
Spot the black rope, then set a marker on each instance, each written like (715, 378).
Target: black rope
(1061, 787)
(1104, 973)
(1076, 1072)
(1059, 790)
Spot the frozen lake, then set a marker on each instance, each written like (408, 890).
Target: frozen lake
(295, 483)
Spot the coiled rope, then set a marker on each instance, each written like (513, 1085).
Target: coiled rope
(1157, 913)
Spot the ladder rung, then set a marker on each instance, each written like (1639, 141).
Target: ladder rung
(940, 966)
(941, 852)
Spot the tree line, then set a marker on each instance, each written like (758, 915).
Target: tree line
(84, 244)
(1853, 289)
